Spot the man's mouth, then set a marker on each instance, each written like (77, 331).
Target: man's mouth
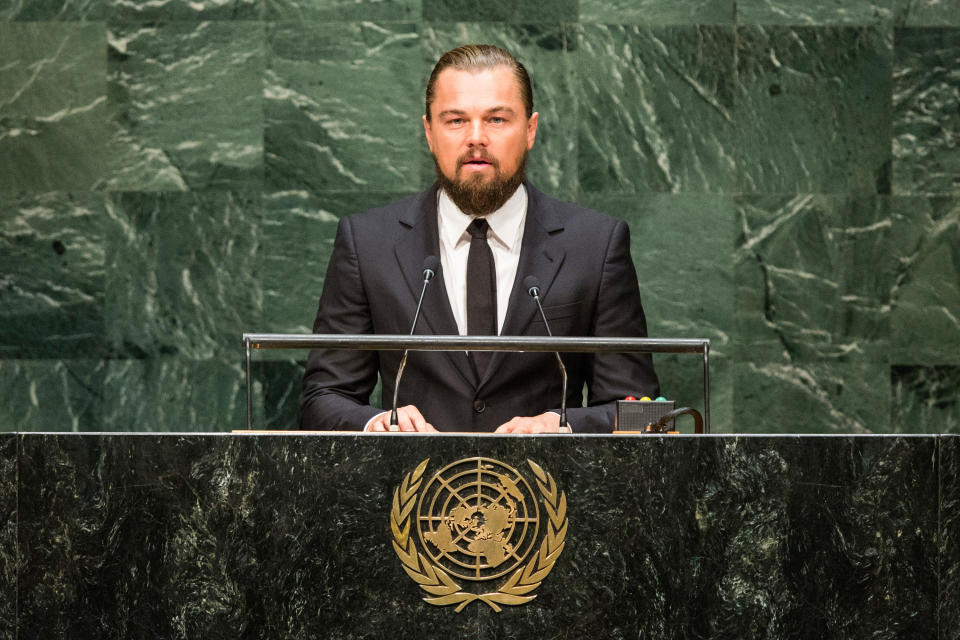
(476, 163)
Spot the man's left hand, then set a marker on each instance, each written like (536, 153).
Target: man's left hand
(548, 422)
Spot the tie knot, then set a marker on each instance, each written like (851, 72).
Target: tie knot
(478, 229)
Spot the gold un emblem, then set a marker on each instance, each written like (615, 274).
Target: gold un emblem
(478, 520)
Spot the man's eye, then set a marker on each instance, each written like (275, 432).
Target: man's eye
(497, 120)
(455, 121)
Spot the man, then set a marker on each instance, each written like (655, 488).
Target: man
(491, 230)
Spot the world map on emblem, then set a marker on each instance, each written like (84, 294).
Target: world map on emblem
(478, 518)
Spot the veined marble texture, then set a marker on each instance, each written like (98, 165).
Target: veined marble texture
(813, 324)
(814, 12)
(176, 394)
(277, 392)
(916, 13)
(656, 109)
(186, 103)
(49, 10)
(52, 106)
(341, 10)
(183, 273)
(827, 305)
(813, 109)
(925, 320)
(681, 246)
(681, 380)
(341, 105)
(298, 232)
(791, 537)
(730, 546)
(925, 399)
(549, 52)
(9, 557)
(164, 10)
(672, 12)
(52, 255)
(949, 587)
(926, 100)
(52, 395)
(776, 396)
(556, 11)
(802, 290)
(129, 10)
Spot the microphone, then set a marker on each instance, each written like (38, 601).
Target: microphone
(532, 285)
(431, 265)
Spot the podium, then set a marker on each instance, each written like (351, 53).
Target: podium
(406, 343)
(291, 536)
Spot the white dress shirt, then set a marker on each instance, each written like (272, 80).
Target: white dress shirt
(504, 236)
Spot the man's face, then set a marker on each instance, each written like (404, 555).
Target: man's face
(479, 135)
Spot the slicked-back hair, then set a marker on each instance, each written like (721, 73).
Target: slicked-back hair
(478, 57)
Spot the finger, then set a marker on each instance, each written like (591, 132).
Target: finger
(529, 425)
(415, 418)
(406, 423)
(423, 426)
(419, 423)
(508, 427)
(387, 423)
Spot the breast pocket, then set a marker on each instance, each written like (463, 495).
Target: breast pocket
(562, 318)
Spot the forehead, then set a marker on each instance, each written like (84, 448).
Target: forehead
(476, 90)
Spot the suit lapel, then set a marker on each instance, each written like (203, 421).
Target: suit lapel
(419, 238)
(540, 256)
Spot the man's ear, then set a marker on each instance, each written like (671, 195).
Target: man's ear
(428, 132)
(532, 129)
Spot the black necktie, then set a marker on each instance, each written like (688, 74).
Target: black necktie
(481, 290)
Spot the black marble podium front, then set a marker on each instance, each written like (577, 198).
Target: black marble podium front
(288, 536)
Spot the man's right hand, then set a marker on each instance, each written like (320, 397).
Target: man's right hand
(409, 418)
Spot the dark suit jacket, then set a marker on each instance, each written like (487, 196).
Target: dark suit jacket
(588, 288)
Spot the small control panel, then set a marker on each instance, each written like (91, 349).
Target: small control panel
(635, 415)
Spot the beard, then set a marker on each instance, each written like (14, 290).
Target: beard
(477, 198)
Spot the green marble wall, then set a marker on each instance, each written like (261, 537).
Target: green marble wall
(171, 174)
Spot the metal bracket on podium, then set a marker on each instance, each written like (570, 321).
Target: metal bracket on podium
(366, 342)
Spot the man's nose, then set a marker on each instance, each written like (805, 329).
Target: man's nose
(476, 134)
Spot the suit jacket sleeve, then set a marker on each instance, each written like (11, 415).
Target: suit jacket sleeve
(337, 383)
(619, 313)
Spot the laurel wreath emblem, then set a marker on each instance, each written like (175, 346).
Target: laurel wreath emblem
(444, 590)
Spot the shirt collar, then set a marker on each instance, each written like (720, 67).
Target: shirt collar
(506, 223)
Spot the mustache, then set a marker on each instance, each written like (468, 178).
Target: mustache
(482, 155)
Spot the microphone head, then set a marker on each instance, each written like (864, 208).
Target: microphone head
(532, 285)
(431, 265)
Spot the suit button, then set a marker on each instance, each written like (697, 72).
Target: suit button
(479, 406)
